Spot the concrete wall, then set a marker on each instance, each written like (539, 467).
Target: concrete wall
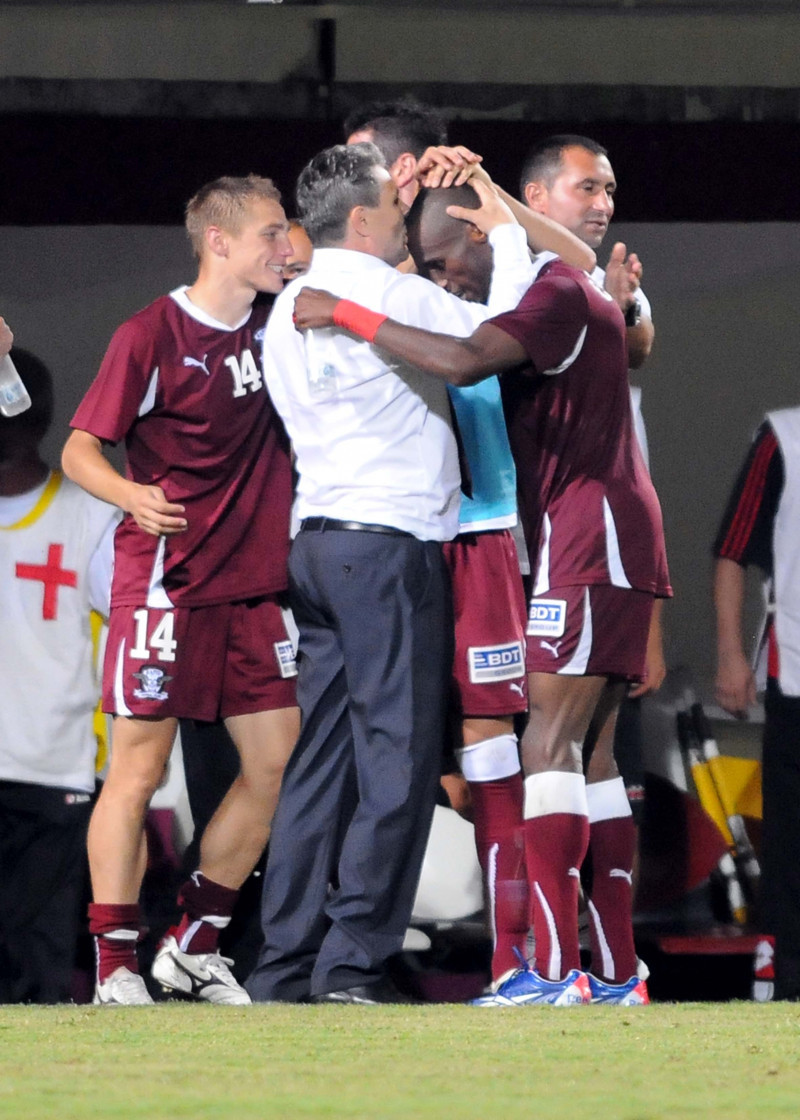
(727, 348)
(750, 46)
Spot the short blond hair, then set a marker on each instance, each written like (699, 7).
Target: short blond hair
(224, 203)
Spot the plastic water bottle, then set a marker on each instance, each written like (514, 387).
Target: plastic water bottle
(323, 377)
(13, 394)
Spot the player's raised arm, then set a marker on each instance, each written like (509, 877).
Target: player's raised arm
(84, 462)
(545, 235)
(443, 167)
(459, 361)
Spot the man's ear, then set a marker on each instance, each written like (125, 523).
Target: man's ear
(475, 235)
(358, 221)
(536, 195)
(217, 240)
(404, 169)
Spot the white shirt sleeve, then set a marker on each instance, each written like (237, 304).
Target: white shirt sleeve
(101, 568)
(513, 271)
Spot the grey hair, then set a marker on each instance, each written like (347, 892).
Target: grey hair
(335, 181)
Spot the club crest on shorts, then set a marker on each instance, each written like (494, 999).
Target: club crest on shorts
(153, 680)
(547, 618)
(285, 656)
(495, 663)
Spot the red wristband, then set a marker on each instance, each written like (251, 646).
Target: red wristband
(357, 319)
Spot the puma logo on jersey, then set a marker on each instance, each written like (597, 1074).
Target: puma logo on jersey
(200, 365)
(553, 647)
(517, 687)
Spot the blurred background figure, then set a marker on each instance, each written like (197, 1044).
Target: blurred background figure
(300, 260)
(759, 529)
(55, 558)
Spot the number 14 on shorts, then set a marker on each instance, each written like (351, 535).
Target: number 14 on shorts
(159, 642)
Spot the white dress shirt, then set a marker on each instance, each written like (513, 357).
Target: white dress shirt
(372, 435)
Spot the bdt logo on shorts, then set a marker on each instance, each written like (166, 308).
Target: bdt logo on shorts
(496, 663)
(547, 618)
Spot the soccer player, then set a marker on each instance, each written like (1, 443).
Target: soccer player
(196, 628)
(570, 179)
(595, 539)
(489, 683)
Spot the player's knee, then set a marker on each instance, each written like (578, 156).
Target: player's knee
(551, 752)
(134, 785)
(261, 783)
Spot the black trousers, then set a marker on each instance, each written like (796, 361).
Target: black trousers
(780, 836)
(43, 880)
(376, 632)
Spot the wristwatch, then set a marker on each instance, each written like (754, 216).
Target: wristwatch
(633, 315)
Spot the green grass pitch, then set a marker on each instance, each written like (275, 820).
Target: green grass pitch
(665, 1062)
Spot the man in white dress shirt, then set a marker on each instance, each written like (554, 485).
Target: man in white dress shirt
(378, 492)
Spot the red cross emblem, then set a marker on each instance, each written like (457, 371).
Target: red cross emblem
(52, 576)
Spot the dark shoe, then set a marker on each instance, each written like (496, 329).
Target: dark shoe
(379, 991)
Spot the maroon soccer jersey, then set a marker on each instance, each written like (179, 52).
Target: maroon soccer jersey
(587, 504)
(187, 395)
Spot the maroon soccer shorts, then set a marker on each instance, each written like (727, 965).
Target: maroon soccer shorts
(489, 604)
(199, 662)
(589, 631)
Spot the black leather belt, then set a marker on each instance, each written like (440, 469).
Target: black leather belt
(322, 524)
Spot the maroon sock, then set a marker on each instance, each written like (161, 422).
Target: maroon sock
(555, 847)
(497, 813)
(207, 908)
(612, 843)
(115, 928)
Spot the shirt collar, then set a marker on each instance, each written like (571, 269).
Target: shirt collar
(346, 260)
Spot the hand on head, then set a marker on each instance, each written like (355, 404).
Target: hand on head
(448, 167)
(492, 211)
